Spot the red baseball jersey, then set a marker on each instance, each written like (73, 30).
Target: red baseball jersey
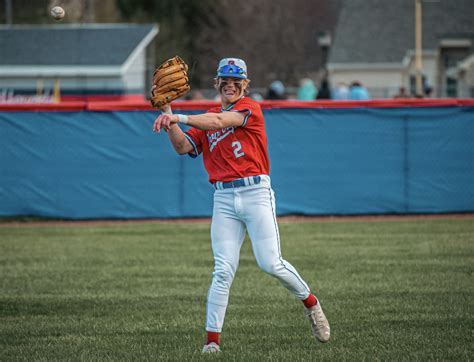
(233, 152)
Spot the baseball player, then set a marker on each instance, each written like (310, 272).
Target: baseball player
(233, 143)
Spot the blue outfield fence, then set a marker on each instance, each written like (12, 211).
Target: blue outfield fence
(334, 161)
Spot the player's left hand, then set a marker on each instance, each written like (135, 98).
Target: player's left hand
(170, 82)
(165, 121)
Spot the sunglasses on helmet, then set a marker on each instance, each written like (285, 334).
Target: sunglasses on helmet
(231, 71)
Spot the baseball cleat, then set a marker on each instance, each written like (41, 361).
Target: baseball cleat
(211, 348)
(319, 323)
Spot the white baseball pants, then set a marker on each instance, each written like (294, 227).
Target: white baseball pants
(236, 210)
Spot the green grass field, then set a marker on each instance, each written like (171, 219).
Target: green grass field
(392, 290)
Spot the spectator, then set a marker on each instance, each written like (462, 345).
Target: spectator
(307, 91)
(194, 94)
(197, 95)
(325, 90)
(256, 96)
(428, 91)
(402, 93)
(341, 92)
(358, 92)
(276, 90)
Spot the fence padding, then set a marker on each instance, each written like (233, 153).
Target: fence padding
(324, 161)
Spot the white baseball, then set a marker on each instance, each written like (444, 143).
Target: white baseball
(58, 12)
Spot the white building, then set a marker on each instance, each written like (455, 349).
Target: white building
(374, 44)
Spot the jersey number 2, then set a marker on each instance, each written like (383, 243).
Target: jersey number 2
(236, 146)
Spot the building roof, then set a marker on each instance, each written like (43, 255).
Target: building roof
(382, 31)
(72, 45)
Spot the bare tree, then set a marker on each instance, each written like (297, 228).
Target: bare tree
(277, 38)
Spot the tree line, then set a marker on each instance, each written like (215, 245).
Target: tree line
(277, 38)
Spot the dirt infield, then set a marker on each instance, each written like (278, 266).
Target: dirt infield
(35, 222)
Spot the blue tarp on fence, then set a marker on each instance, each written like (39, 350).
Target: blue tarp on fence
(323, 162)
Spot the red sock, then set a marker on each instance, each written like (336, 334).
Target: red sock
(311, 301)
(213, 337)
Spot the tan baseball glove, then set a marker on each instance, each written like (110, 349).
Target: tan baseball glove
(170, 81)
